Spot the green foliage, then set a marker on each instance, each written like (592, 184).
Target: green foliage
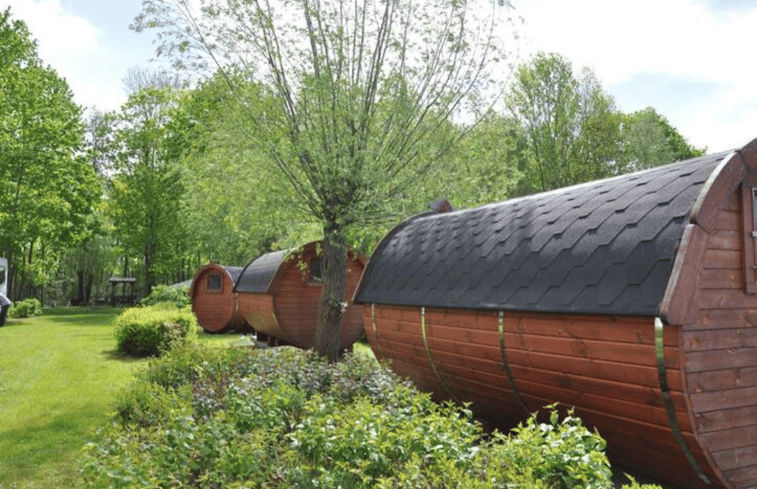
(145, 195)
(26, 308)
(569, 123)
(242, 417)
(563, 451)
(178, 296)
(47, 188)
(648, 140)
(149, 331)
(354, 118)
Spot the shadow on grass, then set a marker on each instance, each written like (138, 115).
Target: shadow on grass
(47, 445)
(117, 356)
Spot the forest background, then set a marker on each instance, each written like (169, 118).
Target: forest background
(170, 181)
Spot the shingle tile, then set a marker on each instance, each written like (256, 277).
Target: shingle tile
(605, 247)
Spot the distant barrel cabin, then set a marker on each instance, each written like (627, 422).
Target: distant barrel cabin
(214, 301)
(279, 293)
(633, 299)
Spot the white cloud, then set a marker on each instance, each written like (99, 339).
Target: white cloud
(92, 61)
(686, 41)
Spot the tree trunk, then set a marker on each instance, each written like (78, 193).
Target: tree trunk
(80, 289)
(331, 306)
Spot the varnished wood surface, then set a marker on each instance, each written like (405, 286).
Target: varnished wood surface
(215, 310)
(605, 367)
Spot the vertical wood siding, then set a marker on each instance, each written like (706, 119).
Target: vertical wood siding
(721, 355)
(295, 300)
(215, 310)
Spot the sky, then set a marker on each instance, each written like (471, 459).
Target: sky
(689, 59)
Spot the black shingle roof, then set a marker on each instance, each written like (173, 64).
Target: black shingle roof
(605, 247)
(234, 273)
(260, 272)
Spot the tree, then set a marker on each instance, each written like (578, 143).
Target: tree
(648, 140)
(360, 87)
(145, 193)
(47, 188)
(570, 124)
(236, 205)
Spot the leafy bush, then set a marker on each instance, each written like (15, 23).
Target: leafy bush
(26, 308)
(148, 331)
(242, 417)
(178, 296)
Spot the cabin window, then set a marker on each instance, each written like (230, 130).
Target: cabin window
(215, 284)
(316, 270)
(749, 215)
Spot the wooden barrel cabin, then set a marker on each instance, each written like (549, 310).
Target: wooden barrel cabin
(633, 299)
(214, 301)
(279, 294)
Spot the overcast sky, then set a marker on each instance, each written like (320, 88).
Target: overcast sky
(689, 59)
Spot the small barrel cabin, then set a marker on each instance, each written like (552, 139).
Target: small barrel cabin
(279, 294)
(632, 299)
(214, 301)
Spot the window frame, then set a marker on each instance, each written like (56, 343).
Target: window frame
(749, 234)
(214, 290)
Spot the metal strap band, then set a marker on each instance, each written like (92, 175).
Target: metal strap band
(375, 332)
(431, 358)
(665, 388)
(506, 364)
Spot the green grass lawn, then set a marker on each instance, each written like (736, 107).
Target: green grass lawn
(59, 374)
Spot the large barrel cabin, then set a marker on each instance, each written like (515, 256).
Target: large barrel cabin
(632, 299)
(214, 301)
(279, 294)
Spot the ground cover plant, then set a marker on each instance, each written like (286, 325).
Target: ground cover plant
(245, 417)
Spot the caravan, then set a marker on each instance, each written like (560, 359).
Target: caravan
(5, 303)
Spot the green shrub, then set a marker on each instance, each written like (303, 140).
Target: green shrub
(242, 417)
(148, 331)
(26, 308)
(178, 296)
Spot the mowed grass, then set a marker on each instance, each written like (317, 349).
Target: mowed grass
(59, 374)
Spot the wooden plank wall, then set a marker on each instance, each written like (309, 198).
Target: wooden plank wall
(295, 300)
(257, 310)
(604, 366)
(214, 309)
(721, 355)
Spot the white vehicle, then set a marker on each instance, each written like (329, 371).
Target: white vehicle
(5, 303)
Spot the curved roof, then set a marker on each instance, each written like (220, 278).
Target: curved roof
(232, 272)
(258, 275)
(604, 247)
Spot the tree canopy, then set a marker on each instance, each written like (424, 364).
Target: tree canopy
(47, 186)
(359, 88)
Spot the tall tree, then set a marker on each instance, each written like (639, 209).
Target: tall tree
(360, 86)
(47, 188)
(648, 140)
(237, 205)
(145, 192)
(570, 124)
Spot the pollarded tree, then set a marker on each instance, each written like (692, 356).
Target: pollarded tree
(360, 86)
(47, 187)
(236, 207)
